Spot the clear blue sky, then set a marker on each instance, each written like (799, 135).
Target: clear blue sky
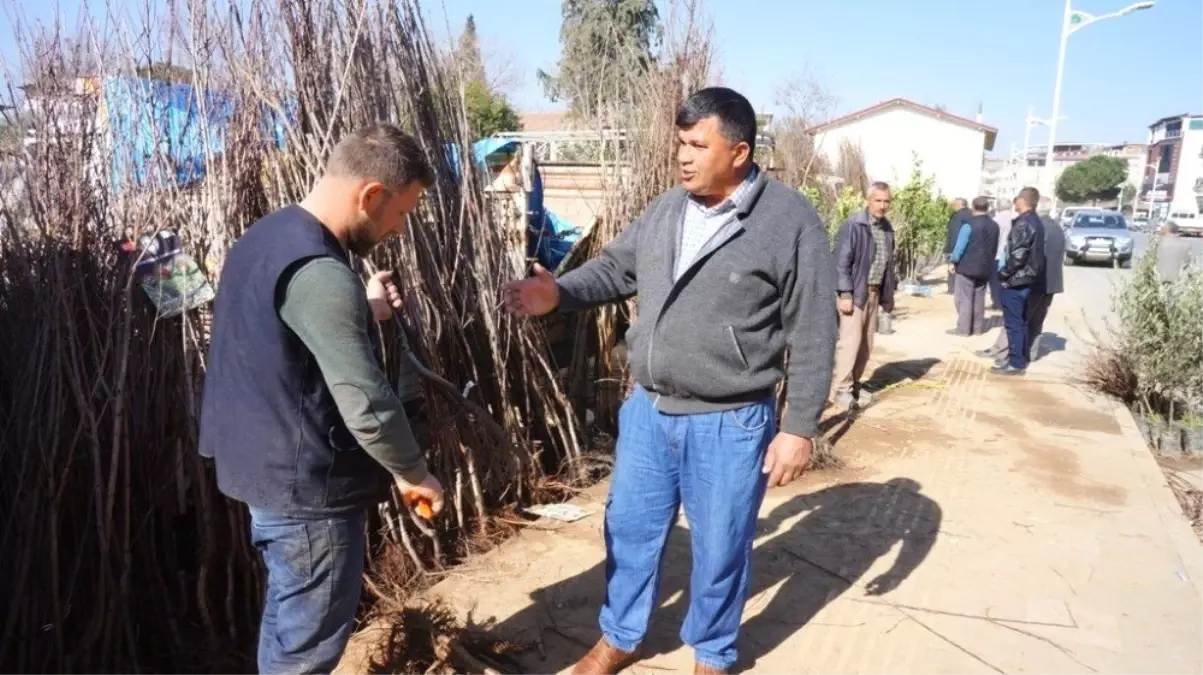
(1120, 74)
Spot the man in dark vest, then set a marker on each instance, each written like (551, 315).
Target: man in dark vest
(297, 413)
(973, 257)
(960, 216)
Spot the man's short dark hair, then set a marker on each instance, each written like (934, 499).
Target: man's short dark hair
(736, 116)
(1030, 196)
(981, 204)
(381, 152)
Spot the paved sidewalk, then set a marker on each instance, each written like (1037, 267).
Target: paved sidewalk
(1010, 525)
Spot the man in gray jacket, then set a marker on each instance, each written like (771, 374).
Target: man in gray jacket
(732, 269)
(1173, 253)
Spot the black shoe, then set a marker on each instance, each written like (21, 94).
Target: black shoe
(1006, 369)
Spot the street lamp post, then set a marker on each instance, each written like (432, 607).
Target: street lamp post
(1152, 189)
(1072, 21)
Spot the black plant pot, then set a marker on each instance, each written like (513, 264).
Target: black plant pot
(1192, 439)
(1170, 444)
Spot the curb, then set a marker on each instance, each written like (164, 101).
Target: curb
(1180, 537)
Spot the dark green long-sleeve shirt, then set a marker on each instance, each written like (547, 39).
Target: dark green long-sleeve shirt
(324, 305)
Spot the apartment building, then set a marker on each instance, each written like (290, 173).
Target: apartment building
(1173, 176)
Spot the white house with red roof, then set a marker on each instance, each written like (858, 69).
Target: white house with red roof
(892, 134)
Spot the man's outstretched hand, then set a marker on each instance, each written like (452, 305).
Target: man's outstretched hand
(787, 457)
(533, 296)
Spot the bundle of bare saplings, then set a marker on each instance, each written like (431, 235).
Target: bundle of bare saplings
(117, 552)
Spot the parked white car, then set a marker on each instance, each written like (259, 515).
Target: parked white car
(1099, 236)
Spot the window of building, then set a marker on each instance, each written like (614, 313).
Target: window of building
(1196, 125)
(1166, 160)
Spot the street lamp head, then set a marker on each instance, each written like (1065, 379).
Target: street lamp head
(1136, 8)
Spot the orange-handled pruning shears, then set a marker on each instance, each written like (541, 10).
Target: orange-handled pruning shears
(420, 505)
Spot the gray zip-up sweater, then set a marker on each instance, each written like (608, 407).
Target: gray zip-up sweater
(716, 338)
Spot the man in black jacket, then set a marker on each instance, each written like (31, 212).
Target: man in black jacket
(961, 215)
(973, 254)
(1022, 270)
(1042, 295)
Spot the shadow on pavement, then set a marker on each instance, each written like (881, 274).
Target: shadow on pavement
(1049, 343)
(842, 531)
(888, 374)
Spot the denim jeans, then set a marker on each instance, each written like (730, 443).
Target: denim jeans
(314, 578)
(712, 464)
(1015, 321)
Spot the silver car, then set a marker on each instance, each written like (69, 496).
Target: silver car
(1098, 236)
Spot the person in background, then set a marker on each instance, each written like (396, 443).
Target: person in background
(1022, 268)
(1004, 219)
(864, 262)
(973, 256)
(961, 215)
(1042, 295)
(297, 412)
(1052, 283)
(1173, 253)
(732, 268)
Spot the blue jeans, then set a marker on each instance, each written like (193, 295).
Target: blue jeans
(710, 463)
(1015, 321)
(314, 578)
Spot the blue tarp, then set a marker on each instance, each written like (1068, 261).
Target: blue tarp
(149, 118)
(549, 237)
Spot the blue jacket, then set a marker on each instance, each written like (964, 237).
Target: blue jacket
(854, 251)
(267, 417)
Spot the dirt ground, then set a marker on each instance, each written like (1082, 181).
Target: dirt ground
(978, 525)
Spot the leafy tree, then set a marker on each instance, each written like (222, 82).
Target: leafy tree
(919, 217)
(488, 113)
(1128, 197)
(1096, 178)
(468, 53)
(604, 43)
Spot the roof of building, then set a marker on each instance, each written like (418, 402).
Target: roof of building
(1173, 118)
(555, 120)
(941, 115)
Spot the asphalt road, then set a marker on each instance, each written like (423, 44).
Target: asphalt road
(1086, 303)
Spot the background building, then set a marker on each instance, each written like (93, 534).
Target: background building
(1003, 178)
(891, 135)
(1173, 176)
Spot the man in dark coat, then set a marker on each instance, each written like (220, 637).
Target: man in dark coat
(865, 280)
(960, 216)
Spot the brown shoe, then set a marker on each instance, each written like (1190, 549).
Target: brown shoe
(603, 659)
(703, 669)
